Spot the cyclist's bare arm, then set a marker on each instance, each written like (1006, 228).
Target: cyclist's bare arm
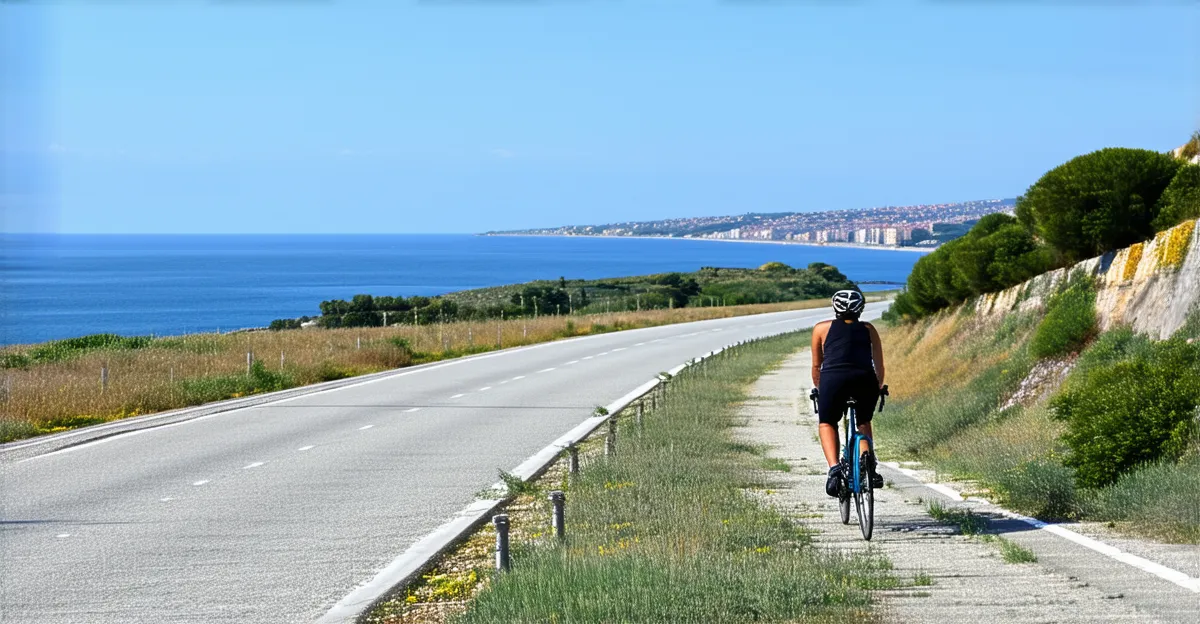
(820, 330)
(876, 352)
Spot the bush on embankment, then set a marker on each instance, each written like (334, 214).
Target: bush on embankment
(1070, 319)
(1132, 410)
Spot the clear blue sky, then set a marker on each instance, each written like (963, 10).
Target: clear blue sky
(395, 116)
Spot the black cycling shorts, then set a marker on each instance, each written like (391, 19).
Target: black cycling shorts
(837, 386)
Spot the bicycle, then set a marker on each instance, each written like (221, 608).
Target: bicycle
(854, 476)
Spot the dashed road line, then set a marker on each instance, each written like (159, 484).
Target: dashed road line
(166, 499)
(306, 448)
(458, 396)
(254, 465)
(201, 482)
(485, 388)
(571, 362)
(518, 377)
(546, 370)
(639, 344)
(589, 357)
(618, 349)
(62, 535)
(411, 410)
(365, 427)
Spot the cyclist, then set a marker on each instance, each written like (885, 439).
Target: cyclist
(847, 361)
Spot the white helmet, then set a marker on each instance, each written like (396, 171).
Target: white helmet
(848, 303)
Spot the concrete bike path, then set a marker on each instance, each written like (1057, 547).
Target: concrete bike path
(970, 580)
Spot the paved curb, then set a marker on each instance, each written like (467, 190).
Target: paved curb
(358, 603)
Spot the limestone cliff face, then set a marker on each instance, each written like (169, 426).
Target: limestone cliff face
(1151, 286)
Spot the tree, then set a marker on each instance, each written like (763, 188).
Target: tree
(1097, 202)
(1181, 200)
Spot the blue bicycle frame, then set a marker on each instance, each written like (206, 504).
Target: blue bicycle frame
(851, 455)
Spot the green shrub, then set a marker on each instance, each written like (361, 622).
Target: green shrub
(1098, 202)
(1131, 412)
(1181, 199)
(1070, 320)
(997, 252)
(1159, 500)
(1042, 488)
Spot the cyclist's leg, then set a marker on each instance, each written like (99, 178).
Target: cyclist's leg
(831, 404)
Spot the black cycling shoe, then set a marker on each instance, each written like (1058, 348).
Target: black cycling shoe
(833, 484)
(868, 464)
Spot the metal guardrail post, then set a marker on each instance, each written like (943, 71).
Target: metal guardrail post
(557, 498)
(610, 440)
(502, 560)
(638, 417)
(573, 455)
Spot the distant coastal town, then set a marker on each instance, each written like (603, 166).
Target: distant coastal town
(924, 225)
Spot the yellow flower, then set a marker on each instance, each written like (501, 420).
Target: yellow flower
(410, 599)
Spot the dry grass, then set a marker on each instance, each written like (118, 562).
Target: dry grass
(188, 370)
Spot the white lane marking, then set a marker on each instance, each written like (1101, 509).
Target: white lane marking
(719, 329)
(62, 535)
(618, 349)
(588, 357)
(546, 370)
(503, 382)
(602, 354)
(571, 362)
(639, 344)
(254, 465)
(364, 428)
(201, 482)
(458, 396)
(1157, 569)
(411, 410)
(518, 377)
(305, 448)
(166, 499)
(485, 388)
(658, 340)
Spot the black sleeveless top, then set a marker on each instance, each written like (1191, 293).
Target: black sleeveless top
(847, 347)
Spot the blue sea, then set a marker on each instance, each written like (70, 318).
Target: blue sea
(60, 286)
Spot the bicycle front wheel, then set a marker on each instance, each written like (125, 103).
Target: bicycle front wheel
(844, 503)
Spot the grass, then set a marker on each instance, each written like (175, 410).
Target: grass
(1015, 553)
(1158, 501)
(963, 520)
(662, 532)
(774, 463)
(56, 386)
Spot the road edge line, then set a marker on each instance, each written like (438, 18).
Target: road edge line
(1157, 569)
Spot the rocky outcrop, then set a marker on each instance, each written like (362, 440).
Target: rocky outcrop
(1151, 286)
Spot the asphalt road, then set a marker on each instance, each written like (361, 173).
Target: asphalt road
(273, 513)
